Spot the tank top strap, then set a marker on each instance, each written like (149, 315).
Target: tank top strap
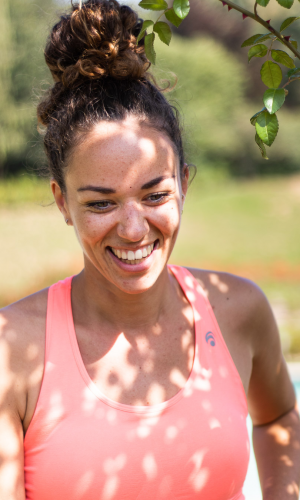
(58, 345)
(62, 381)
(211, 351)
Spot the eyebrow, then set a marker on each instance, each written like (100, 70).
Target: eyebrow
(97, 189)
(105, 190)
(156, 181)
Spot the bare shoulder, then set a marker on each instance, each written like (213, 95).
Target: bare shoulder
(235, 297)
(249, 328)
(22, 345)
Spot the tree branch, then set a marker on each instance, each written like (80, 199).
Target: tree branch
(290, 81)
(266, 25)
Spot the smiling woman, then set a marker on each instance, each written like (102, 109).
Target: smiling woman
(129, 380)
(121, 211)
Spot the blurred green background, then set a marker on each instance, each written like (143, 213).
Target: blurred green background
(242, 214)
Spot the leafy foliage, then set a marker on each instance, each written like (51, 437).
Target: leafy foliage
(259, 50)
(283, 58)
(265, 121)
(21, 70)
(267, 127)
(164, 32)
(271, 74)
(287, 22)
(273, 99)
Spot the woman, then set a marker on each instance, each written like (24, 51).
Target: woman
(118, 383)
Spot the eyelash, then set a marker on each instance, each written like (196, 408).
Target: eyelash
(95, 204)
(162, 196)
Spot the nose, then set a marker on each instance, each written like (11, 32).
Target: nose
(133, 225)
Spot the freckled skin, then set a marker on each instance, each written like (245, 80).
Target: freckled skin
(123, 156)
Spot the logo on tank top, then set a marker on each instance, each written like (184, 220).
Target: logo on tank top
(210, 339)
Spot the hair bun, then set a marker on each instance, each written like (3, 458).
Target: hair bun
(95, 41)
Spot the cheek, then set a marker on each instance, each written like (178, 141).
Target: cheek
(90, 228)
(167, 219)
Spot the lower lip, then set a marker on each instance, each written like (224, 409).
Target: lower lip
(135, 268)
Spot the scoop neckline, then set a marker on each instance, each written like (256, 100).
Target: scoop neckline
(151, 409)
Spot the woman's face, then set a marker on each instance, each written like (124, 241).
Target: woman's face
(124, 197)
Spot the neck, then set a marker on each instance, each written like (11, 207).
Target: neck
(97, 298)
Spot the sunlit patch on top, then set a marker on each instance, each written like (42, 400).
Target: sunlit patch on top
(189, 282)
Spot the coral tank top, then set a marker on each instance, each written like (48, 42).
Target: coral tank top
(81, 445)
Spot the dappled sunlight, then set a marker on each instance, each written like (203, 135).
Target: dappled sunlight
(56, 410)
(171, 434)
(174, 423)
(149, 466)
(3, 321)
(111, 468)
(177, 378)
(280, 434)
(286, 460)
(84, 482)
(156, 391)
(215, 280)
(199, 476)
(293, 489)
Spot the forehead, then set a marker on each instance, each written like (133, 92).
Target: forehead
(121, 153)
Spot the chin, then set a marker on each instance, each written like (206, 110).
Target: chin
(137, 285)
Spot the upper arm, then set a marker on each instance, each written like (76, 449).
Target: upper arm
(11, 430)
(271, 393)
(22, 343)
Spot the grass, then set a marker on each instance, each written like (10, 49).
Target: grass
(24, 189)
(250, 228)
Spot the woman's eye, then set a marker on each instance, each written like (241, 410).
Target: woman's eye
(99, 205)
(157, 197)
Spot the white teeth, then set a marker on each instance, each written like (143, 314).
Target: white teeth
(130, 255)
(138, 254)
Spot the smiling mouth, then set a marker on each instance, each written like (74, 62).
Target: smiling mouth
(130, 257)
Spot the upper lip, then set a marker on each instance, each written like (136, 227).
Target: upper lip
(132, 249)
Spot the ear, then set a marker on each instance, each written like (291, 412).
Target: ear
(60, 200)
(185, 180)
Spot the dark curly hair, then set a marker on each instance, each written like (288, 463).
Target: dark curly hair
(100, 73)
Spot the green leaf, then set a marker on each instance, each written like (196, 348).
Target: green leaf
(181, 8)
(294, 42)
(267, 127)
(153, 4)
(149, 47)
(173, 18)
(259, 50)
(254, 117)
(261, 146)
(271, 74)
(164, 31)
(274, 99)
(263, 3)
(288, 22)
(287, 4)
(283, 58)
(145, 26)
(255, 39)
(293, 72)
